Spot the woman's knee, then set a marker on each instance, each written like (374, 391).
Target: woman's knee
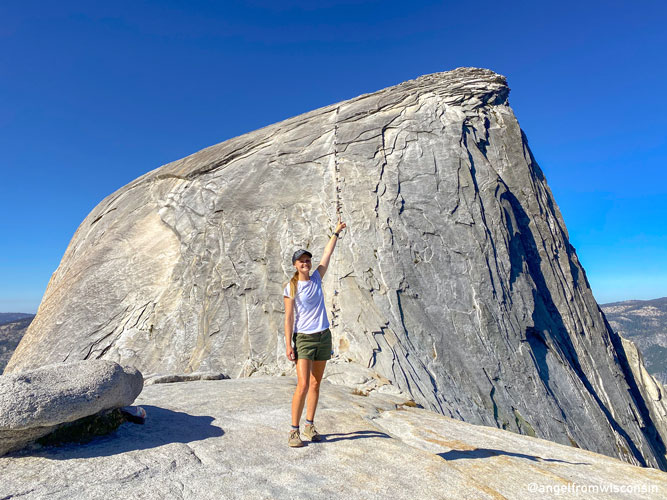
(302, 386)
(314, 384)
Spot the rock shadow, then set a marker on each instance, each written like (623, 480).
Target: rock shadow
(490, 452)
(162, 427)
(330, 438)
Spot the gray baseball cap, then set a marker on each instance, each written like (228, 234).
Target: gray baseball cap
(299, 253)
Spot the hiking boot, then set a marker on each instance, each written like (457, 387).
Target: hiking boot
(295, 439)
(311, 433)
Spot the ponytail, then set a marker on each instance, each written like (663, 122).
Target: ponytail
(292, 284)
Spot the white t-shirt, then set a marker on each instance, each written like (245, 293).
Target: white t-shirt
(310, 316)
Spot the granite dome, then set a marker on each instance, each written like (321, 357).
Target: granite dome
(457, 283)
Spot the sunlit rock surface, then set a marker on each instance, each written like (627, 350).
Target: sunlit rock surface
(653, 392)
(457, 283)
(228, 439)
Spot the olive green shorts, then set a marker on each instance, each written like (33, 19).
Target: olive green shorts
(315, 346)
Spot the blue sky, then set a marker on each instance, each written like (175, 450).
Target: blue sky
(94, 94)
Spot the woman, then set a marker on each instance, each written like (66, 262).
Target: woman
(306, 324)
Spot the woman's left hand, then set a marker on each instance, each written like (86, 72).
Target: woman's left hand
(340, 226)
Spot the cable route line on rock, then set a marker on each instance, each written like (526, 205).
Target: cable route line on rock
(335, 309)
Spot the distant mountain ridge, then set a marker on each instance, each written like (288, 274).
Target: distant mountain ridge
(644, 322)
(12, 328)
(11, 317)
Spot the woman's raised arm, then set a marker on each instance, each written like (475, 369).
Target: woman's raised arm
(328, 250)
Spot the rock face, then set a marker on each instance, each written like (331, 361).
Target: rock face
(652, 390)
(456, 279)
(228, 439)
(33, 403)
(644, 322)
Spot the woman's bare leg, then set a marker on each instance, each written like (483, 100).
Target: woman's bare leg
(316, 373)
(303, 370)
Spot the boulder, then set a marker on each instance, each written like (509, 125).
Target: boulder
(34, 403)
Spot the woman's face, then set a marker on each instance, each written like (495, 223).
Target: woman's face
(303, 264)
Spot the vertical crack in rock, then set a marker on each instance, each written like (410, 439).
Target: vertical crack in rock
(457, 282)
